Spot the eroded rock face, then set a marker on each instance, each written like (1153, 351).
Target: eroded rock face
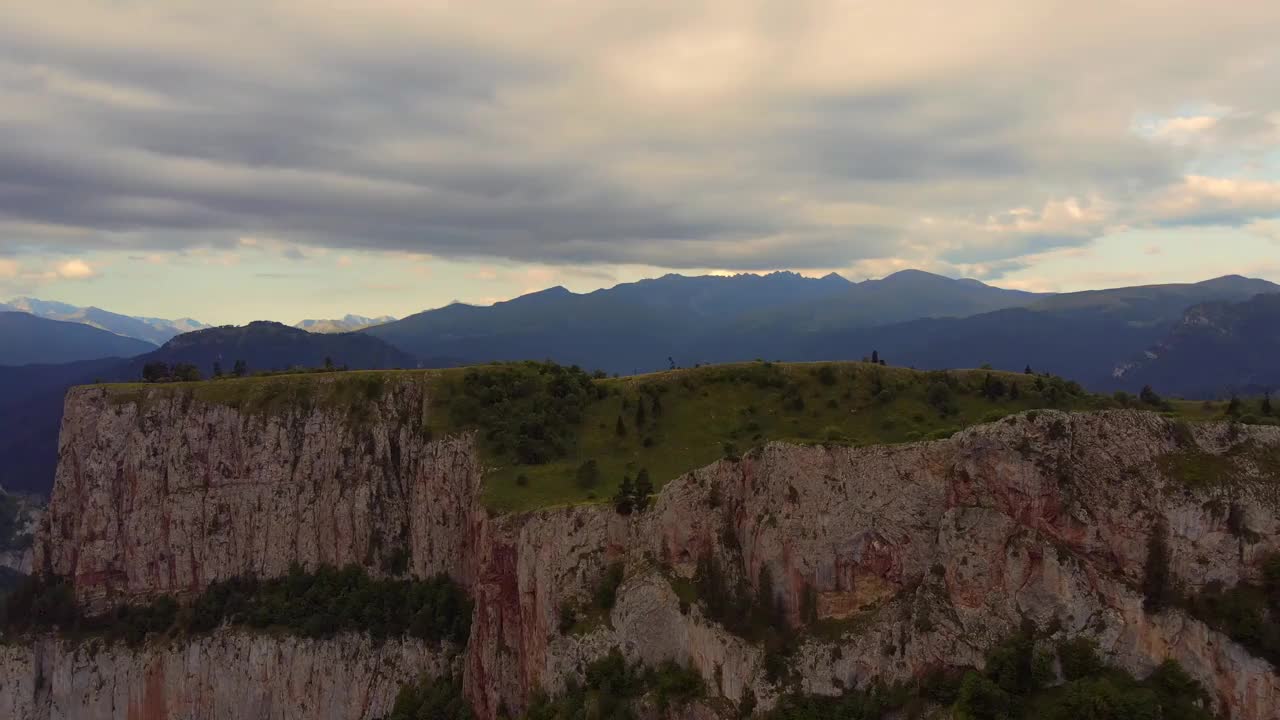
(224, 676)
(915, 556)
(929, 553)
(168, 495)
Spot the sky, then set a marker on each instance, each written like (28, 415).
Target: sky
(259, 159)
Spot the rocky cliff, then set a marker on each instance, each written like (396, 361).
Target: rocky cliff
(225, 676)
(914, 556)
(164, 493)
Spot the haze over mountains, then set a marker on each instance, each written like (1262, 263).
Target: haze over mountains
(30, 339)
(153, 330)
(346, 323)
(1202, 339)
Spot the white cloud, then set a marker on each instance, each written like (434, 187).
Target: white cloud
(74, 269)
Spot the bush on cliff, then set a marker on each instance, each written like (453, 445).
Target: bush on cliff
(1248, 613)
(611, 686)
(312, 604)
(428, 699)
(1018, 684)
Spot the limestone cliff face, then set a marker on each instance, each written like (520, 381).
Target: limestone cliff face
(169, 494)
(928, 553)
(917, 555)
(225, 676)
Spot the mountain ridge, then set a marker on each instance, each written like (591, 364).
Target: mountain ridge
(153, 330)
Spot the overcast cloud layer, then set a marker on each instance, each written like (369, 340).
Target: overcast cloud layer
(704, 134)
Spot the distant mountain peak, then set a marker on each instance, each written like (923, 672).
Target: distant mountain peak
(152, 330)
(348, 323)
(555, 291)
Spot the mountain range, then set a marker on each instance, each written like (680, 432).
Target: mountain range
(153, 330)
(1238, 342)
(912, 317)
(31, 339)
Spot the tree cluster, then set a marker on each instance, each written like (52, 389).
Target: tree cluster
(1248, 613)
(153, 372)
(612, 688)
(431, 699)
(1017, 675)
(528, 411)
(755, 615)
(311, 604)
(634, 496)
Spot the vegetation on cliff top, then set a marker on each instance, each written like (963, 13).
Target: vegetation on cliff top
(672, 422)
(311, 604)
(552, 435)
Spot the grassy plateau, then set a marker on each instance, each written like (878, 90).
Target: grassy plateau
(553, 435)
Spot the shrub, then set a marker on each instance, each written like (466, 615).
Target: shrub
(606, 591)
(588, 475)
(438, 699)
(1079, 658)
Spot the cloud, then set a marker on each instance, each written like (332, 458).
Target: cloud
(74, 270)
(9, 268)
(737, 135)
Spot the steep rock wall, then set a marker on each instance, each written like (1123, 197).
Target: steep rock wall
(928, 554)
(224, 676)
(168, 494)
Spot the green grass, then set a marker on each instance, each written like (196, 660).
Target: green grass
(748, 405)
(352, 391)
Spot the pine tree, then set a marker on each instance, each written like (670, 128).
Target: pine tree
(1266, 404)
(1233, 407)
(240, 369)
(657, 407)
(644, 488)
(1028, 371)
(624, 500)
(640, 412)
(1149, 397)
(620, 428)
(875, 357)
(1014, 393)
(992, 388)
(217, 369)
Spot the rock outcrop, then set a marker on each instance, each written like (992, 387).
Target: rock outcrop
(167, 494)
(913, 557)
